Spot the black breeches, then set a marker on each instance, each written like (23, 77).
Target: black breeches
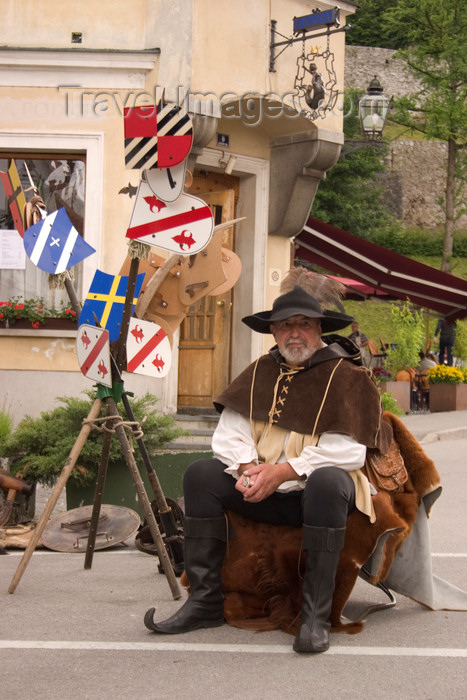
(445, 349)
(326, 501)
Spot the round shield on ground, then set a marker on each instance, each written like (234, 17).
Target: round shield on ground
(69, 532)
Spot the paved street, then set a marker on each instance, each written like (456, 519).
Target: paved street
(71, 633)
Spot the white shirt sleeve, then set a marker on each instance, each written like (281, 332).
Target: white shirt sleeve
(232, 441)
(332, 450)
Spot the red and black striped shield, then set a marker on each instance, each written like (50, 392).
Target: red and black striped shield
(157, 136)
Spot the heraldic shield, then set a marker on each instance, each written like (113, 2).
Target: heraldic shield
(148, 349)
(157, 136)
(184, 227)
(106, 299)
(54, 245)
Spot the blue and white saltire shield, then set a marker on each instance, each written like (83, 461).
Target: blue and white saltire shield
(106, 299)
(54, 245)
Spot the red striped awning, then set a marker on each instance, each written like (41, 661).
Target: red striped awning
(359, 290)
(381, 269)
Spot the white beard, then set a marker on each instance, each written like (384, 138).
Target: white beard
(297, 355)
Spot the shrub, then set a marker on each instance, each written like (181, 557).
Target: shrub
(390, 404)
(460, 343)
(409, 338)
(39, 447)
(6, 427)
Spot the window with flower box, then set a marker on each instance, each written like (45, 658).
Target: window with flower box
(60, 180)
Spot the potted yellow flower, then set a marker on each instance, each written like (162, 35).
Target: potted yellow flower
(448, 388)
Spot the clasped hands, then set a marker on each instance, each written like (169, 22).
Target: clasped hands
(258, 481)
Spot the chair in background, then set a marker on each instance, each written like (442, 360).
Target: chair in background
(376, 357)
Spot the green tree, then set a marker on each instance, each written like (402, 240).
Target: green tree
(351, 197)
(369, 30)
(437, 56)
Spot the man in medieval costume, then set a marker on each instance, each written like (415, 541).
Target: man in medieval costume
(292, 438)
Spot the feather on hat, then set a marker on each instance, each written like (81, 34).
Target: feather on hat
(304, 293)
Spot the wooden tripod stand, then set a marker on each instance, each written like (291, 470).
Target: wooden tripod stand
(114, 424)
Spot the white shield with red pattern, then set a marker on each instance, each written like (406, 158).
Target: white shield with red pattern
(148, 349)
(93, 352)
(184, 227)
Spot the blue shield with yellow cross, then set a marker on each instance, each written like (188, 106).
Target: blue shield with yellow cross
(106, 299)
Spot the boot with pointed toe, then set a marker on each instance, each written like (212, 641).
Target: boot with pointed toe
(322, 547)
(205, 545)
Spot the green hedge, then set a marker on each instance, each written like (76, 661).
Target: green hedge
(414, 242)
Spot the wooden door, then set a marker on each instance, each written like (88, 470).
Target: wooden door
(204, 348)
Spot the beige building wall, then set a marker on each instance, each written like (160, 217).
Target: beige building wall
(56, 94)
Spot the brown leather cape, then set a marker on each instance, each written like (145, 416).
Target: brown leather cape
(352, 404)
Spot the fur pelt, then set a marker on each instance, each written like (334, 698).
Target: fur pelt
(264, 564)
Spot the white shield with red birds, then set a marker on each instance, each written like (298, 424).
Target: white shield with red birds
(93, 352)
(148, 349)
(183, 227)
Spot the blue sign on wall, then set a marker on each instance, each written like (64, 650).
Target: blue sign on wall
(317, 20)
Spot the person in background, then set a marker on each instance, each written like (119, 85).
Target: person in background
(360, 339)
(426, 362)
(447, 337)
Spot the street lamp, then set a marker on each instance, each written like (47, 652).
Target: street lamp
(373, 110)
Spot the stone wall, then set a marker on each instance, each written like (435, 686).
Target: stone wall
(421, 166)
(417, 169)
(362, 63)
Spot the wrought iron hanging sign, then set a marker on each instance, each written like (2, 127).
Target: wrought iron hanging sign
(315, 83)
(315, 80)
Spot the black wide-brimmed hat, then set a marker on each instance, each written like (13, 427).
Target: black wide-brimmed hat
(295, 303)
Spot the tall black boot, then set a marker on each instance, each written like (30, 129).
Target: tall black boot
(322, 546)
(205, 545)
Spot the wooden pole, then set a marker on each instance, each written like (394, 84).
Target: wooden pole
(143, 498)
(168, 523)
(55, 495)
(98, 496)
